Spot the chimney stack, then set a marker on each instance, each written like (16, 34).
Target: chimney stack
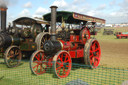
(3, 18)
(53, 22)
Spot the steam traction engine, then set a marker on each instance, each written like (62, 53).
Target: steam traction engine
(67, 44)
(25, 36)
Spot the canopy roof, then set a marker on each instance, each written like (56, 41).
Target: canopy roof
(72, 17)
(28, 21)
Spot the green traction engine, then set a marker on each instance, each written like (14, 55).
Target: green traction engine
(25, 36)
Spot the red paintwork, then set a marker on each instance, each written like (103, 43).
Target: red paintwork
(85, 31)
(77, 53)
(80, 53)
(38, 64)
(50, 63)
(73, 47)
(95, 49)
(63, 64)
(72, 54)
(74, 38)
(121, 35)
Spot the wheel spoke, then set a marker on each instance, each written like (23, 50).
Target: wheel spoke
(93, 47)
(97, 49)
(37, 58)
(68, 65)
(40, 68)
(11, 52)
(36, 65)
(42, 56)
(10, 56)
(62, 56)
(45, 38)
(37, 68)
(58, 67)
(58, 63)
(64, 71)
(95, 62)
(97, 58)
(91, 61)
(35, 61)
(91, 56)
(60, 59)
(91, 50)
(65, 58)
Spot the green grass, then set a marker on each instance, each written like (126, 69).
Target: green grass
(21, 75)
(112, 38)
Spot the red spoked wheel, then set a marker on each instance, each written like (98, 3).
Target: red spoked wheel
(92, 53)
(38, 62)
(85, 34)
(62, 64)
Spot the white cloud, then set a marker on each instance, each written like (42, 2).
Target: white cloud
(112, 3)
(91, 12)
(101, 7)
(25, 13)
(78, 1)
(60, 3)
(40, 11)
(28, 5)
(113, 13)
(124, 5)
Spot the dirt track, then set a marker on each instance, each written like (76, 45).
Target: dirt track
(114, 54)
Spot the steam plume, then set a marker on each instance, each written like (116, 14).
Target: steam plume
(4, 3)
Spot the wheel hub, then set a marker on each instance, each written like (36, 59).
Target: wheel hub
(61, 64)
(94, 53)
(39, 62)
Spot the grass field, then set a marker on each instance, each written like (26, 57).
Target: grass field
(113, 69)
(101, 76)
(114, 51)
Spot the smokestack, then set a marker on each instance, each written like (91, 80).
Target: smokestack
(3, 18)
(53, 22)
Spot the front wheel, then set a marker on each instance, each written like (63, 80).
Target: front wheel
(92, 53)
(62, 64)
(12, 56)
(38, 62)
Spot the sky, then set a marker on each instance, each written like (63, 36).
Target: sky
(113, 11)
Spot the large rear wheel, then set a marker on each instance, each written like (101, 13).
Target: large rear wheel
(12, 56)
(40, 39)
(92, 53)
(62, 64)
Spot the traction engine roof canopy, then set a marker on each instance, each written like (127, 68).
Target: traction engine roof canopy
(73, 18)
(28, 21)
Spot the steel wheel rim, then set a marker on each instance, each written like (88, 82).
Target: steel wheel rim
(39, 63)
(95, 54)
(63, 65)
(13, 57)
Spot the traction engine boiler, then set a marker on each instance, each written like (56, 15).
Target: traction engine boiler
(67, 44)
